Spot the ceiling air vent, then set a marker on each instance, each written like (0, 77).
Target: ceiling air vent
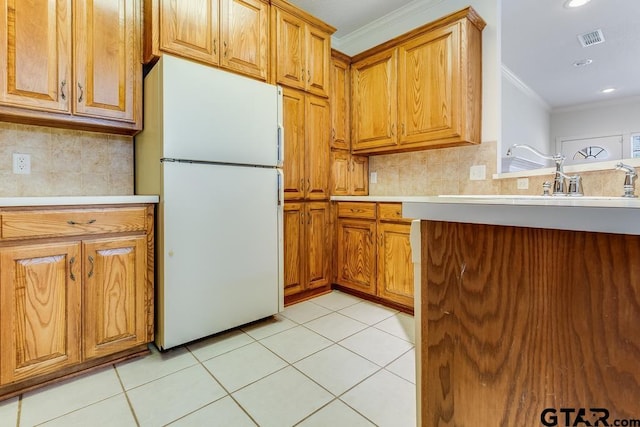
(591, 38)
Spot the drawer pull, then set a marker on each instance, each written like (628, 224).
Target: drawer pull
(90, 262)
(71, 262)
(72, 222)
(354, 210)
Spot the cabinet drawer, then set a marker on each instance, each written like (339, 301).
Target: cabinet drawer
(357, 210)
(390, 211)
(70, 222)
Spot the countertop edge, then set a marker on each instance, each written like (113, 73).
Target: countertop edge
(76, 200)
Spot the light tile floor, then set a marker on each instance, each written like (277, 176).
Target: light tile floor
(335, 360)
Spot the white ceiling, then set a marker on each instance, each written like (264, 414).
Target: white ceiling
(539, 42)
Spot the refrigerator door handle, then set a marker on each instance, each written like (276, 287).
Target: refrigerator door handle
(280, 188)
(280, 143)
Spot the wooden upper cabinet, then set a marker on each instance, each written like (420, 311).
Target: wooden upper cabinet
(108, 72)
(114, 298)
(290, 50)
(71, 63)
(429, 94)
(40, 300)
(435, 95)
(36, 54)
(190, 28)
(340, 106)
(302, 47)
(374, 101)
(349, 174)
(244, 35)
(318, 61)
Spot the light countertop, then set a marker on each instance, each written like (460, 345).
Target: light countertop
(75, 200)
(372, 199)
(599, 214)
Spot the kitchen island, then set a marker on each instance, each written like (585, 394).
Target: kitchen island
(527, 310)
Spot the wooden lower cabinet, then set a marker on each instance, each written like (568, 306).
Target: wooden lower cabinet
(40, 315)
(77, 297)
(306, 249)
(373, 251)
(356, 253)
(113, 299)
(395, 267)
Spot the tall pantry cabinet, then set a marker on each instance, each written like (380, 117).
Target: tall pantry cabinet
(301, 52)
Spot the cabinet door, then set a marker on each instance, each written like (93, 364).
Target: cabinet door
(244, 35)
(290, 50)
(429, 87)
(317, 250)
(114, 295)
(340, 170)
(340, 129)
(35, 58)
(190, 29)
(395, 267)
(356, 249)
(317, 148)
(39, 309)
(294, 253)
(294, 133)
(108, 72)
(374, 101)
(318, 57)
(359, 176)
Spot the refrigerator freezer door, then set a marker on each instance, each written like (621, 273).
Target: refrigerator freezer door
(221, 232)
(217, 116)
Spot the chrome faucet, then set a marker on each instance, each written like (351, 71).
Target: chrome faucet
(629, 179)
(559, 188)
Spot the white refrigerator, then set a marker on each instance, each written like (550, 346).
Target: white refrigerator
(212, 149)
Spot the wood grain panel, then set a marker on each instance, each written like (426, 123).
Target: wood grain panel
(357, 210)
(244, 35)
(317, 143)
(71, 222)
(317, 250)
(40, 306)
(106, 59)
(35, 59)
(190, 28)
(516, 320)
(318, 57)
(114, 298)
(359, 176)
(340, 106)
(293, 248)
(356, 252)
(290, 49)
(395, 267)
(374, 101)
(293, 105)
(340, 165)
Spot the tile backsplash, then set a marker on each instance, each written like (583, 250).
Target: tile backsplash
(433, 172)
(65, 162)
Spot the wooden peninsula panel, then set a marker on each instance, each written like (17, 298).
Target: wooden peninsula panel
(516, 320)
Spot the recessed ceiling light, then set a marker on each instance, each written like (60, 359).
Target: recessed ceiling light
(575, 3)
(608, 90)
(582, 62)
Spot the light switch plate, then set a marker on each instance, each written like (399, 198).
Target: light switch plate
(373, 177)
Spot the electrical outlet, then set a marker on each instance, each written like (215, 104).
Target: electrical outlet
(21, 163)
(522, 183)
(477, 172)
(373, 177)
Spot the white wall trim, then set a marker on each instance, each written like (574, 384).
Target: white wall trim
(522, 87)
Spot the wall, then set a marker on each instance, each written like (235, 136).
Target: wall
(65, 162)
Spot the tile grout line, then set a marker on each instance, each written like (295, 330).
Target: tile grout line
(126, 396)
